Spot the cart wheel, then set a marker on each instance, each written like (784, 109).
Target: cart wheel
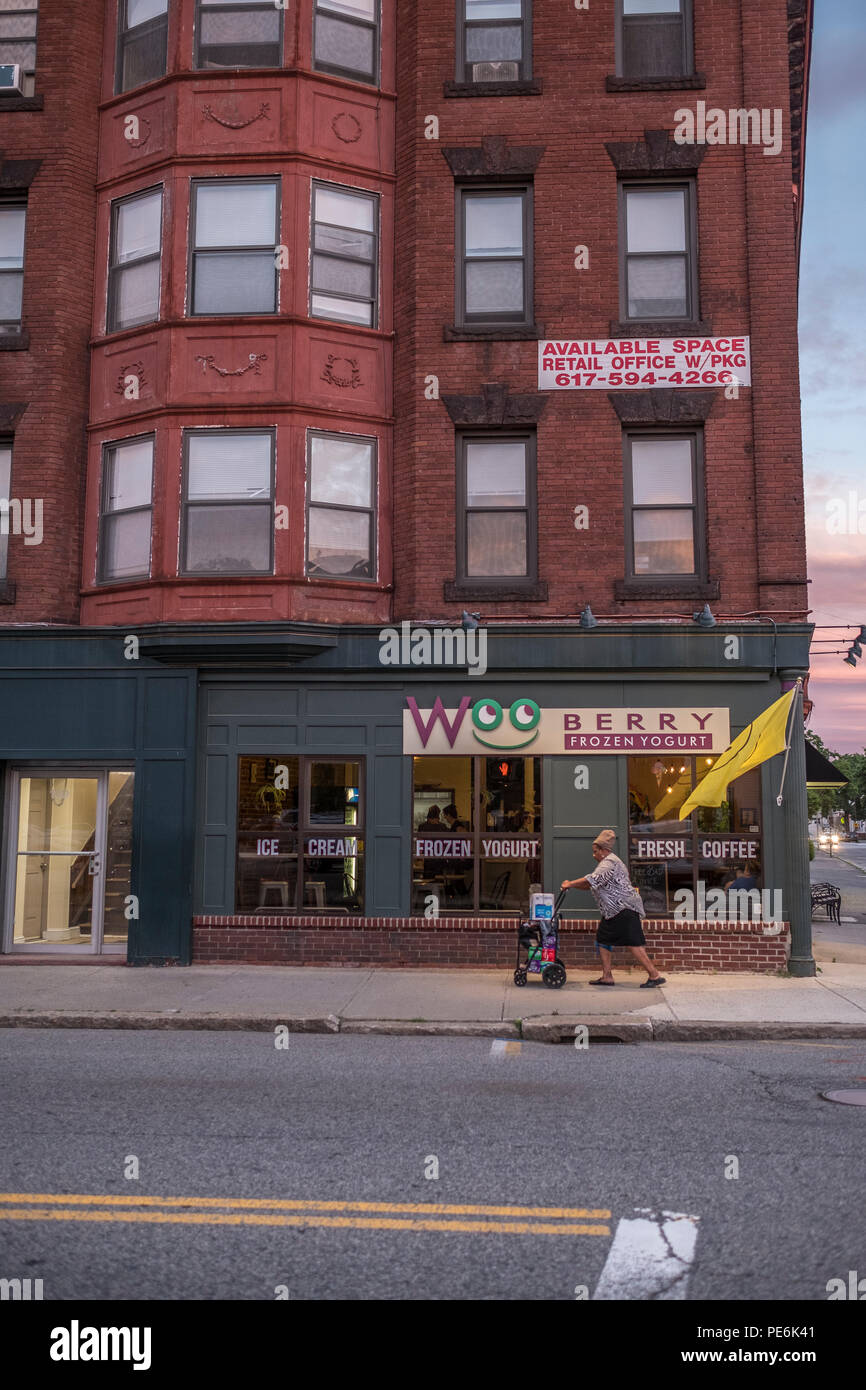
(554, 975)
(520, 977)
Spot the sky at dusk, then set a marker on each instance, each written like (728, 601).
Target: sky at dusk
(833, 363)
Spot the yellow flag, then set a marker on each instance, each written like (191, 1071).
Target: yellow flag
(763, 739)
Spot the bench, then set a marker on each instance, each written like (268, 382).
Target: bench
(827, 895)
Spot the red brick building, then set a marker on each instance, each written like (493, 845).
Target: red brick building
(348, 314)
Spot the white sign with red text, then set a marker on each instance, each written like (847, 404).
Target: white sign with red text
(589, 364)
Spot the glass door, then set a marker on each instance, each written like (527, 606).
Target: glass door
(72, 859)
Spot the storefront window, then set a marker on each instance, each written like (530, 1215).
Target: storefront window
(300, 835)
(477, 834)
(714, 848)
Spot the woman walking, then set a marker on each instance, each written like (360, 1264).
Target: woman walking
(621, 910)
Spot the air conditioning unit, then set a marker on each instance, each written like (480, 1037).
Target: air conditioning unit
(495, 72)
(10, 80)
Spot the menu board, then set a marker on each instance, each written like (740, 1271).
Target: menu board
(651, 881)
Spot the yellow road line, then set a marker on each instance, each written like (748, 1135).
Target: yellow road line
(278, 1204)
(509, 1228)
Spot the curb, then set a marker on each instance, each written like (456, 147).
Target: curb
(622, 1028)
(608, 1027)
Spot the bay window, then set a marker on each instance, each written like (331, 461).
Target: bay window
(344, 260)
(235, 233)
(341, 510)
(126, 510)
(228, 507)
(346, 38)
(238, 34)
(134, 260)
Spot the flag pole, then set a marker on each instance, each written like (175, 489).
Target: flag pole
(794, 705)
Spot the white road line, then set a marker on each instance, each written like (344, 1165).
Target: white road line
(650, 1258)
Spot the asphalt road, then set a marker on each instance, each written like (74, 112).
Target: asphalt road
(625, 1150)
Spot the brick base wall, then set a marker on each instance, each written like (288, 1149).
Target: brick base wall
(479, 942)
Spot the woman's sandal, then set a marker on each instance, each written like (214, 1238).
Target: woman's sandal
(602, 982)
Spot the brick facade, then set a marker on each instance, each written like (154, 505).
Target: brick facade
(748, 284)
(472, 943)
(46, 369)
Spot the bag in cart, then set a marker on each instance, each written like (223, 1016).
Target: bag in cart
(538, 943)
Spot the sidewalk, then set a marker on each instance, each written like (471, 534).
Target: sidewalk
(461, 1002)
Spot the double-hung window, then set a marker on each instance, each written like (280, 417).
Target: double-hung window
(494, 42)
(344, 263)
(135, 255)
(13, 218)
(238, 34)
(235, 234)
(341, 509)
(5, 489)
(664, 506)
(126, 509)
(494, 268)
(654, 39)
(658, 251)
(228, 502)
(142, 42)
(18, 40)
(346, 38)
(496, 535)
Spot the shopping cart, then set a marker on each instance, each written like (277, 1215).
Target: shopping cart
(537, 947)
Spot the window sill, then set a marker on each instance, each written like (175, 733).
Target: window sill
(529, 87)
(659, 328)
(695, 83)
(503, 591)
(14, 342)
(502, 333)
(7, 591)
(21, 104)
(701, 590)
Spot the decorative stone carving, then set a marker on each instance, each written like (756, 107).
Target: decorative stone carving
(494, 159)
(340, 371)
(657, 153)
(235, 123)
(495, 406)
(254, 365)
(144, 137)
(132, 369)
(347, 127)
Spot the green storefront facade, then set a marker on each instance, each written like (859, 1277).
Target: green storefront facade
(276, 793)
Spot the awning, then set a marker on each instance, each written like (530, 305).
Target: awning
(820, 772)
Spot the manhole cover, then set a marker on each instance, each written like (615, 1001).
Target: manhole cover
(846, 1097)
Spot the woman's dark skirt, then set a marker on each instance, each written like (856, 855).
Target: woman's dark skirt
(622, 930)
